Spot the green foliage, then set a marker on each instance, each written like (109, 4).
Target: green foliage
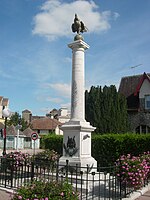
(106, 148)
(46, 158)
(52, 142)
(49, 155)
(16, 119)
(39, 190)
(109, 147)
(106, 110)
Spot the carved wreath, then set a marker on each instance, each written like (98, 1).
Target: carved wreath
(70, 148)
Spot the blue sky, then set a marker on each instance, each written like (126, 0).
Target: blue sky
(35, 61)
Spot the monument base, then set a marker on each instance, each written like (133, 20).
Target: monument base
(80, 163)
(77, 145)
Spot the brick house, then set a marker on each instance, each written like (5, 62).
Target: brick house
(136, 89)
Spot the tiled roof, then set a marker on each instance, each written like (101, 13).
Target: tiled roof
(45, 123)
(27, 132)
(5, 102)
(129, 84)
(13, 131)
(130, 87)
(37, 117)
(145, 76)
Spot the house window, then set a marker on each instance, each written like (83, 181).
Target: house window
(147, 102)
(142, 129)
(28, 139)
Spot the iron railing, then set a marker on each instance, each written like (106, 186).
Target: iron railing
(99, 183)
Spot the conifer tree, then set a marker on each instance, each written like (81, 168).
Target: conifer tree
(106, 109)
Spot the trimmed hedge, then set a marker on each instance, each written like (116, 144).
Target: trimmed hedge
(52, 142)
(106, 149)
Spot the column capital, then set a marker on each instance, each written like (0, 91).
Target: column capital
(79, 44)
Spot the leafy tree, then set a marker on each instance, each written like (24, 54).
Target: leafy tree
(16, 119)
(106, 109)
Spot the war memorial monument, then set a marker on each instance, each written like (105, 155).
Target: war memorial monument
(77, 132)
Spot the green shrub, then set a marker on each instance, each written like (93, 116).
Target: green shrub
(40, 190)
(47, 155)
(107, 148)
(47, 158)
(52, 142)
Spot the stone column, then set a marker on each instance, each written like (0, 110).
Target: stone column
(77, 132)
(77, 97)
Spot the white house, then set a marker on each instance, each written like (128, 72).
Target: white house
(19, 141)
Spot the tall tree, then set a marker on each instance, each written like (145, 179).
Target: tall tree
(106, 109)
(16, 119)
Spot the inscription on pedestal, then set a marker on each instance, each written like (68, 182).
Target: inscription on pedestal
(85, 146)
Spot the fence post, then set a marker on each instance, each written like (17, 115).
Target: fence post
(32, 170)
(122, 185)
(5, 172)
(11, 175)
(57, 170)
(67, 167)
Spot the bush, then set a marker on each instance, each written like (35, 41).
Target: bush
(133, 170)
(52, 142)
(39, 190)
(48, 155)
(46, 158)
(106, 149)
(15, 159)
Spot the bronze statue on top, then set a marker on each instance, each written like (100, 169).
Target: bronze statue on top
(79, 27)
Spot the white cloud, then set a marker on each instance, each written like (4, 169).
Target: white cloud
(116, 15)
(55, 18)
(46, 98)
(62, 89)
(54, 100)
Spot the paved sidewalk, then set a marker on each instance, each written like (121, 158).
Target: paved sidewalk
(5, 195)
(145, 196)
(30, 151)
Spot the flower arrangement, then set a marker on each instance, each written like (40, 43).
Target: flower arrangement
(40, 190)
(133, 170)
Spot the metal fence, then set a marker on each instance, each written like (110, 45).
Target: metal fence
(99, 183)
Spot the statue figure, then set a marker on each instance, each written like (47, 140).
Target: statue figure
(79, 27)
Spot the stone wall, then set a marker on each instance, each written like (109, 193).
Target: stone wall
(138, 119)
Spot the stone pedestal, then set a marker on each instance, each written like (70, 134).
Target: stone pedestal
(77, 132)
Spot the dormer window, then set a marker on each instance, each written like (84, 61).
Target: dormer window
(147, 101)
